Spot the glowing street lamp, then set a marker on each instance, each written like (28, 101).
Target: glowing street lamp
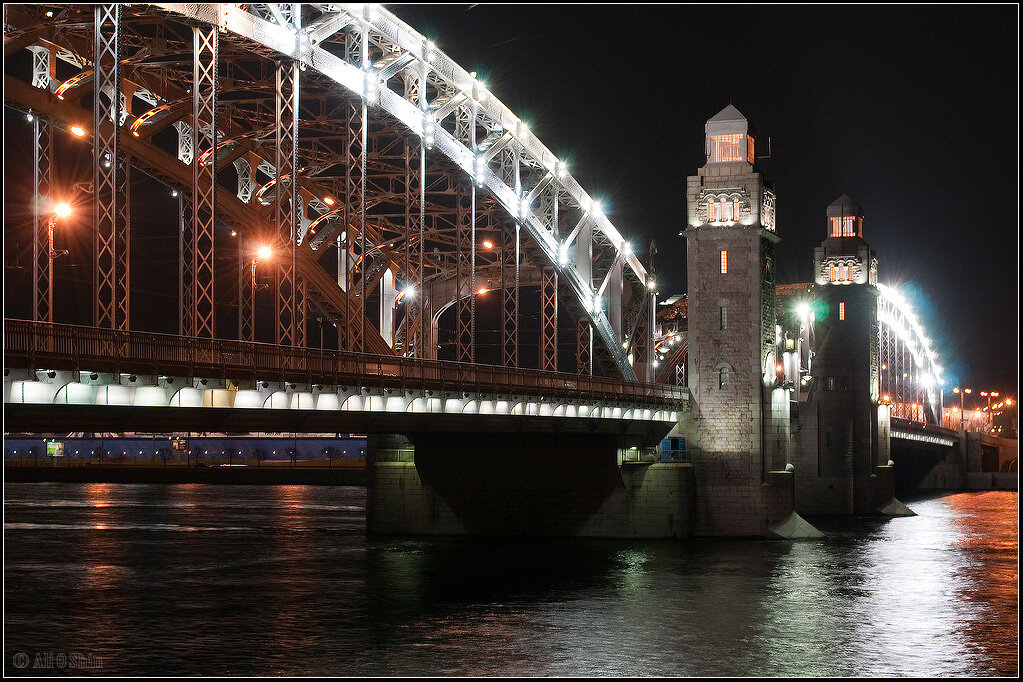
(60, 211)
(263, 252)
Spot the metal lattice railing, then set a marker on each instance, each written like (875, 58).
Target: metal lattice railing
(37, 346)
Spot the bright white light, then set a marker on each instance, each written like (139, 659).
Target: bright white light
(803, 309)
(626, 248)
(62, 210)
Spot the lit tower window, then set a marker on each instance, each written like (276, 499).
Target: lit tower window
(727, 147)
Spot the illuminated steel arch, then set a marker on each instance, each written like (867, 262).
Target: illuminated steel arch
(412, 157)
(909, 369)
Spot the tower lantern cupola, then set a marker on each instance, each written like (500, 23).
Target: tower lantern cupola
(844, 257)
(729, 138)
(728, 192)
(845, 218)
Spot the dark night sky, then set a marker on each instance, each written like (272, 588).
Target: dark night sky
(912, 110)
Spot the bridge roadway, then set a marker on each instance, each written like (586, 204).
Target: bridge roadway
(922, 433)
(70, 378)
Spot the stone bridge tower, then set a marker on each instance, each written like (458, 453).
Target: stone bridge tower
(843, 462)
(739, 433)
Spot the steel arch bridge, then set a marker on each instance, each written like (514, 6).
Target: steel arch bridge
(393, 185)
(910, 371)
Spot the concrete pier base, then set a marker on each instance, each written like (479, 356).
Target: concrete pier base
(731, 501)
(514, 484)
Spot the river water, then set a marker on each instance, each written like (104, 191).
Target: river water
(113, 579)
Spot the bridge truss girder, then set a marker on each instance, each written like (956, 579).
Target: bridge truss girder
(908, 369)
(423, 129)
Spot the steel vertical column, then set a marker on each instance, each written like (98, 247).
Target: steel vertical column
(246, 295)
(549, 290)
(110, 304)
(415, 188)
(363, 254)
(465, 291)
(353, 213)
(186, 247)
(584, 266)
(286, 207)
(641, 346)
(42, 171)
(204, 136)
(549, 319)
(584, 347)
(510, 296)
(301, 312)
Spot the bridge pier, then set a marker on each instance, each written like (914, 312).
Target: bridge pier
(567, 485)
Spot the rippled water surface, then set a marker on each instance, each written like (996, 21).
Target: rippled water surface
(111, 579)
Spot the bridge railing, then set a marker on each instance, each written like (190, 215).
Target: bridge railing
(922, 427)
(39, 345)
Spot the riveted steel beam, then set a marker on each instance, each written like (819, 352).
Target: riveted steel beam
(204, 136)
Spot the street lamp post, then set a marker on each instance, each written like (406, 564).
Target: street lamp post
(61, 210)
(262, 253)
(321, 319)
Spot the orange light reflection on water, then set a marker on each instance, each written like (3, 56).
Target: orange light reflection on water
(989, 522)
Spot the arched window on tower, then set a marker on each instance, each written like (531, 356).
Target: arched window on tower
(724, 378)
(711, 213)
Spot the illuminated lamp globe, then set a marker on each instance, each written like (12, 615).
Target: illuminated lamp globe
(62, 210)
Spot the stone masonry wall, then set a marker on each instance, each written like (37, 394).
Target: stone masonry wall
(526, 488)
